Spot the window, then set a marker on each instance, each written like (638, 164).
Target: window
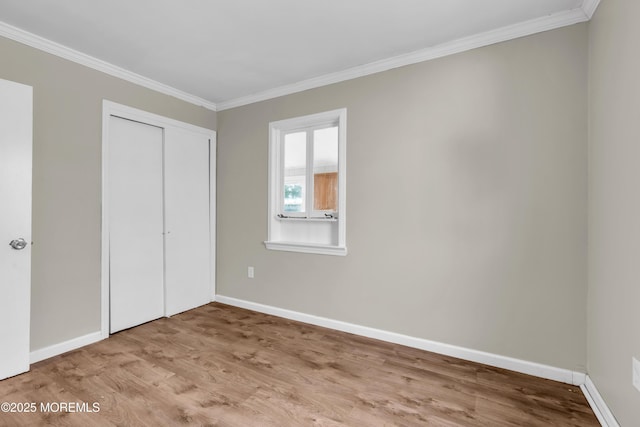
(307, 173)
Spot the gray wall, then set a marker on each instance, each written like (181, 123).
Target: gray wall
(614, 205)
(467, 200)
(67, 182)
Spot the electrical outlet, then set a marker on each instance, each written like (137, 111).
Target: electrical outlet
(250, 272)
(635, 373)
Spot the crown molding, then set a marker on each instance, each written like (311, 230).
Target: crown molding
(589, 7)
(538, 25)
(65, 52)
(510, 32)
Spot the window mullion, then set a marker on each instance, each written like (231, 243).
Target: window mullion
(310, 189)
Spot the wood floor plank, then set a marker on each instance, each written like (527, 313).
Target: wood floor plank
(223, 366)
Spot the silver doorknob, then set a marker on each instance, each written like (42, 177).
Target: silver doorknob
(18, 244)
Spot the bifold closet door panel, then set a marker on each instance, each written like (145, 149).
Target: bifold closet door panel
(187, 238)
(135, 223)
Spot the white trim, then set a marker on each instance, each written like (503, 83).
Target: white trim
(65, 52)
(589, 7)
(104, 233)
(307, 248)
(109, 109)
(518, 365)
(213, 144)
(597, 403)
(533, 26)
(63, 347)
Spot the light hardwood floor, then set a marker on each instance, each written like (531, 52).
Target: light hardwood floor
(223, 366)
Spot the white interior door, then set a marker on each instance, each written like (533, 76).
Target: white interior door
(16, 106)
(187, 220)
(136, 255)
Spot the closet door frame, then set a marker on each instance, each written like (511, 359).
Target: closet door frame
(109, 109)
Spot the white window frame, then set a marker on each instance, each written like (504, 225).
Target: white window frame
(311, 219)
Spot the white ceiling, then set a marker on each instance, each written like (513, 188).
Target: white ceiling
(230, 52)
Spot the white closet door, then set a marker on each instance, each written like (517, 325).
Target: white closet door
(15, 226)
(136, 223)
(187, 223)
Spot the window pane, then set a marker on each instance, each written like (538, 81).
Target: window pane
(295, 161)
(325, 169)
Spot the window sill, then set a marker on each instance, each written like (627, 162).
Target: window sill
(307, 248)
(312, 219)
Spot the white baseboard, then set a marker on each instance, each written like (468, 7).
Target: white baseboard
(522, 366)
(63, 347)
(597, 403)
